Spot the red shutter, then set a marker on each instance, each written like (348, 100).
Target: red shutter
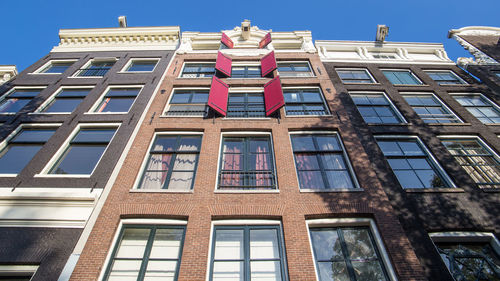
(273, 96)
(224, 64)
(227, 41)
(217, 99)
(268, 64)
(266, 40)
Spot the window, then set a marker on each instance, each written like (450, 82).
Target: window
(304, 102)
(355, 76)
(66, 100)
(198, 70)
(250, 252)
(497, 73)
(294, 69)
(56, 67)
(411, 163)
(141, 65)
(346, 253)
(445, 77)
(16, 99)
(476, 159)
(246, 163)
(431, 109)
(19, 150)
(245, 105)
(376, 108)
(384, 56)
(479, 106)
(117, 99)
(172, 163)
(245, 71)
(401, 77)
(188, 103)
(96, 68)
(84, 151)
(17, 272)
(147, 252)
(321, 162)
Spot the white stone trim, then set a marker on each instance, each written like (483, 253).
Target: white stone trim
(18, 270)
(7, 72)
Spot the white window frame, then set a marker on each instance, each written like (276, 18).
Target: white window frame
(6, 94)
(138, 221)
(354, 178)
(19, 128)
(101, 98)
(436, 164)
(89, 62)
(347, 222)
(132, 60)
(439, 100)
(325, 103)
(50, 62)
(313, 74)
(246, 63)
(219, 161)
(357, 69)
(138, 178)
(167, 106)
(195, 62)
(447, 71)
(18, 270)
(45, 171)
(493, 104)
(40, 109)
(403, 69)
(391, 104)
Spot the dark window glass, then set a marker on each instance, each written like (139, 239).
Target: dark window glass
(411, 164)
(246, 163)
(83, 152)
(375, 108)
(245, 72)
(118, 100)
(320, 162)
(401, 77)
(96, 68)
(22, 148)
(304, 102)
(248, 253)
(17, 99)
(172, 163)
(142, 65)
(188, 103)
(431, 109)
(66, 100)
(479, 106)
(198, 70)
(147, 252)
(346, 253)
(246, 105)
(445, 77)
(294, 69)
(355, 76)
(57, 67)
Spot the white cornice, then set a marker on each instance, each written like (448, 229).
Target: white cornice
(113, 39)
(480, 57)
(364, 51)
(475, 30)
(7, 72)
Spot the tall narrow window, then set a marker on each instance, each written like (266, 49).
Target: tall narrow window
(198, 70)
(413, 167)
(304, 102)
(355, 76)
(22, 148)
(346, 253)
(245, 71)
(479, 106)
(401, 77)
(445, 77)
(172, 163)
(96, 68)
(66, 100)
(246, 163)
(117, 100)
(294, 69)
(431, 109)
(84, 151)
(376, 108)
(321, 162)
(188, 103)
(477, 160)
(17, 99)
(147, 252)
(248, 253)
(246, 105)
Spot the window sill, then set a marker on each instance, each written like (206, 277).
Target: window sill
(245, 191)
(86, 77)
(42, 73)
(354, 83)
(332, 190)
(179, 116)
(104, 113)
(449, 124)
(160, 191)
(8, 175)
(194, 77)
(435, 190)
(388, 124)
(490, 189)
(62, 176)
(133, 72)
(410, 85)
(298, 77)
(492, 124)
(49, 113)
(304, 116)
(246, 118)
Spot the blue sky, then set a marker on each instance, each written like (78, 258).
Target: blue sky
(30, 28)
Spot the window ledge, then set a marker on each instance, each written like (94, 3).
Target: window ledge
(80, 77)
(298, 77)
(187, 116)
(246, 118)
(410, 85)
(133, 72)
(332, 190)
(43, 73)
(305, 116)
(104, 113)
(388, 124)
(8, 175)
(193, 77)
(492, 124)
(62, 176)
(246, 191)
(160, 191)
(354, 83)
(435, 190)
(490, 189)
(49, 113)
(449, 124)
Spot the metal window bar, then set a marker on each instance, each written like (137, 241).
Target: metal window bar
(251, 180)
(93, 71)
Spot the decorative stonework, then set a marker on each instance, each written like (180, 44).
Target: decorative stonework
(7, 72)
(481, 58)
(125, 38)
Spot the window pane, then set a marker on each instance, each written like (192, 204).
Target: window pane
(73, 93)
(306, 162)
(124, 270)
(13, 105)
(24, 93)
(265, 271)
(228, 271)
(57, 67)
(264, 244)
(167, 243)
(333, 271)
(326, 244)
(165, 143)
(142, 65)
(79, 159)
(200, 98)
(359, 244)
(327, 143)
(153, 180)
(160, 271)
(408, 179)
(190, 143)
(181, 98)
(229, 244)
(311, 180)
(94, 136)
(33, 135)
(63, 105)
(181, 180)
(115, 104)
(339, 179)
(368, 270)
(333, 161)
(302, 143)
(133, 243)
(15, 157)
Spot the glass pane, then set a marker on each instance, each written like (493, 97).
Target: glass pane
(389, 148)
(429, 178)
(165, 143)
(181, 97)
(411, 148)
(419, 163)
(264, 244)
(306, 162)
(311, 96)
(153, 180)
(339, 179)
(142, 66)
(13, 105)
(328, 143)
(190, 143)
(228, 271)
(15, 157)
(302, 143)
(368, 270)
(200, 98)
(167, 243)
(181, 180)
(25, 93)
(260, 162)
(265, 271)
(124, 270)
(326, 244)
(94, 135)
(333, 271)
(291, 96)
(63, 105)
(378, 100)
(259, 145)
(122, 92)
(33, 135)
(311, 180)
(233, 145)
(133, 243)
(160, 271)
(359, 244)
(67, 93)
(79, 159)
(185, 162)
(115, 105)
(57, 67)
(333, 161)
(159, 162)
(408, 179)
(229, 244)
(399, 164)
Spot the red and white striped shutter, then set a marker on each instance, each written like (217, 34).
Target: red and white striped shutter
(217, 99)
(273, 96)
(224, 64)
(268, 64)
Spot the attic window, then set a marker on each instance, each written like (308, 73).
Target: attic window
(245, 28)
(384, 56)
